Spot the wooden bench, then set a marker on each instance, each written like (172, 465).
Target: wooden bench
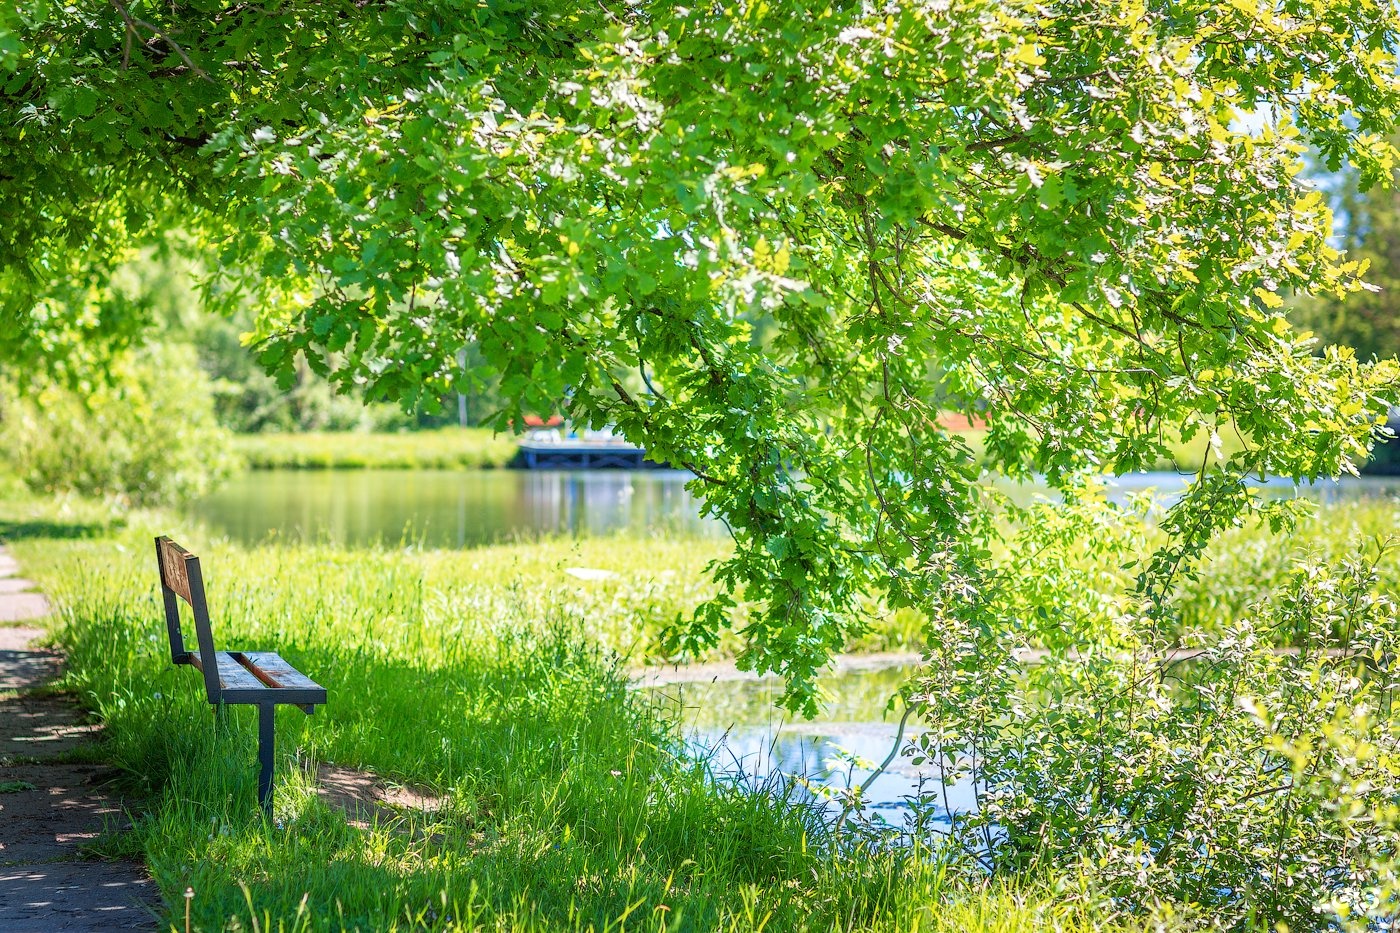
(231, 678)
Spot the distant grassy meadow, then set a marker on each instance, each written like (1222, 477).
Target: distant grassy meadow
(497, 680)
(440, 449)
(470, 448)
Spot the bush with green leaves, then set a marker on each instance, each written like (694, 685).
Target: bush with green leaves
(1208, 770)
(1246, 564)
(144, 434)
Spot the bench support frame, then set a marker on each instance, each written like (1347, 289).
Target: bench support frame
(266, 739)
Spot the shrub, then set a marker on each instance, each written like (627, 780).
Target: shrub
(145, 435)
(1204, 769)
(1247, 564)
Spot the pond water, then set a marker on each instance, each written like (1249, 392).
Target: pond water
(1169, 486)
(735, 727)
(466, 508)
(448, 508)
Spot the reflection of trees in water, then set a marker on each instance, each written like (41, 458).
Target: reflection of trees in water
(602, 502)
(763, 754)
(464, 508)
(448, 508)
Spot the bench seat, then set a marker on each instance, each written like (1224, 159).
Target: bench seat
(248, 676)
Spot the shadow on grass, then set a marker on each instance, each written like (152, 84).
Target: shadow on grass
(21, 530)
(567, 809)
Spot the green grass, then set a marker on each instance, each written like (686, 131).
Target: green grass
(496, 679)
(645, 584)
(444, 448)
(465, 448)
(1244, 565)
(566, 808)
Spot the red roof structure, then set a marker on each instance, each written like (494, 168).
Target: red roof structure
(959, 422)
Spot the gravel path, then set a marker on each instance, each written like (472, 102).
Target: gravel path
(53, 799)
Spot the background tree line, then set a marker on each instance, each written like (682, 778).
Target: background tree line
(155, 428)
(152, 424)
(1368, 321)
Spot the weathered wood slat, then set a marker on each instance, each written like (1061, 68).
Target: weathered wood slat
(278, 682)
(234, 676)
(173, 572)
(278, 671)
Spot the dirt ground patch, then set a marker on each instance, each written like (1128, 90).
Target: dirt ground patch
(367, 801)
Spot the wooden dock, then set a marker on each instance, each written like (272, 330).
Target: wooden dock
(583, 455)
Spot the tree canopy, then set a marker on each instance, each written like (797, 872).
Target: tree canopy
(1077, 218)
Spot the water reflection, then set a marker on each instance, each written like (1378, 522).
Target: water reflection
(736, 726)
(448, 508)
(465, 508)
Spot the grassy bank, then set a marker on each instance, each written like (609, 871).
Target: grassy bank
(1245, 565)
(444, 448)
(465, 448)
(495, 680)
(563, 806)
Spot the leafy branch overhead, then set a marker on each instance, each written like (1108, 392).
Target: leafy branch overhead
(766, 240)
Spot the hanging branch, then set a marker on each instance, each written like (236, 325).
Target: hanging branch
(133, 24)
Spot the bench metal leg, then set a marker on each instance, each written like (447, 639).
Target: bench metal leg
(265, 740)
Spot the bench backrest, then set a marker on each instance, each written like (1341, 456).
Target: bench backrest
(180, 578)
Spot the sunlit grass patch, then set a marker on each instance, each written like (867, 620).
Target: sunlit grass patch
(443, 448)
(485, 678)
(496, 681)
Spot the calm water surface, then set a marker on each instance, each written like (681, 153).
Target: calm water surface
(466, 508)
(738, 729)
(448, 508)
